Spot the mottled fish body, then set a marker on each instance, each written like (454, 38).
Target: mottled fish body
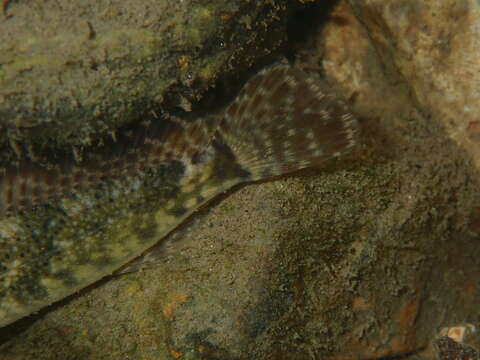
(282, 120)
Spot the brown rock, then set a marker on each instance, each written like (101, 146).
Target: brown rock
(433, 46)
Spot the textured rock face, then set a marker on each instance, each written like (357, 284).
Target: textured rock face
(406, 64)
(365, 259)
(434, 46)
(72, 72)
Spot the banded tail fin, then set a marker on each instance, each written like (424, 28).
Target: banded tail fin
(284, 120)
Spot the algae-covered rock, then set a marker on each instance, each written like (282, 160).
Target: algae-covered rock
(73, 72)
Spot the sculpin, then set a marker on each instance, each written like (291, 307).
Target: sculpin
(67, 226)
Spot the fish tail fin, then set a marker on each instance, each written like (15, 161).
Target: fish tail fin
(284, 120)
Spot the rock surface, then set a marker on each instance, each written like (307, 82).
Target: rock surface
(71, 72)
(364, 259)
(434, 47)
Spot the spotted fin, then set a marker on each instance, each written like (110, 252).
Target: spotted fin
(284, 120)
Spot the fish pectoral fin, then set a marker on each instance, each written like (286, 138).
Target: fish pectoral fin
(284, 120)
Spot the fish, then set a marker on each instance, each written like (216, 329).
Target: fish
(66, 226)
